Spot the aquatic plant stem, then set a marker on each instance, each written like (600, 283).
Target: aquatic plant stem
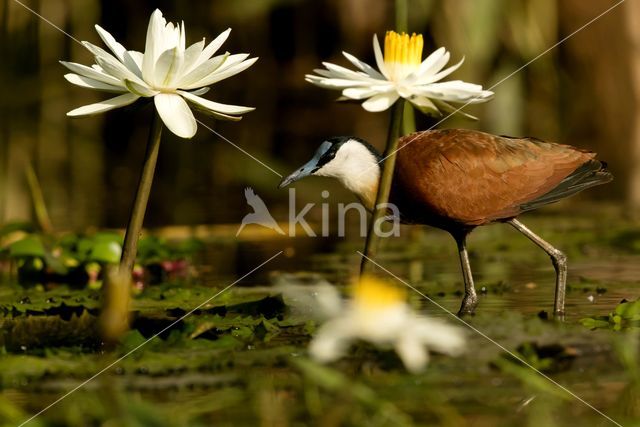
(136, 219)
(402, 15)
(402, 26)
(37, 198)
(384, 188)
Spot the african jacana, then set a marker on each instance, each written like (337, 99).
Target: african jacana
(458, 179)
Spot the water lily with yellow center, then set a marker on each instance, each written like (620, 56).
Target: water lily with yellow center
(378, 313)
(401, 73)
(167, 71)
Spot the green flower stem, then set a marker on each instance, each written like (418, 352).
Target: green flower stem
(371, 246)
(409, 125)
(402, 15)
(402, 25)
(142, 197)
(37, 198)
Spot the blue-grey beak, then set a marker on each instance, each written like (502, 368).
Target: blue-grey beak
(306, 170)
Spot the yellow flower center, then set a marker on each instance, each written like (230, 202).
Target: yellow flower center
(373, 293)
(402, 53)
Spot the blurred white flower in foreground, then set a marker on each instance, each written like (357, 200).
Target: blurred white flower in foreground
(401, 73)
(379, 313)
(167, 71)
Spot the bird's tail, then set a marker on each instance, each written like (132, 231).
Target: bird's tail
(590, 174)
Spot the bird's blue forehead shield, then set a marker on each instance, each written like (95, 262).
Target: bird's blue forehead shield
(308, 168)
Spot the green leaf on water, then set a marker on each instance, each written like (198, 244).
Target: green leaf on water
(30, 246)
(629, 310)
(626, 315)
(595, 323)
(107, 252)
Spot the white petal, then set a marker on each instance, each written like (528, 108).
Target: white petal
(140, 90)
(133, 62)
(200, 91)
(364, 66)
(331, 341)
(106, 105)
(117, 70)
(324, 73)
(183, 37)
(379, 57)
(336, 83)
(380, 102)
(232, 60)
(433, 63)
(92, 73)
(412, 352)
(441, 75)
(213, 47)
(153, 46)
(339, 71)
(99, 52)
(448, 108)
(321, 301)
(364, 92)
(175, 114)
(215, 106)
(191, 55)
(436, 334)
(171, 37)
(111, 42)
(201, 71)
(217, 76)
(328, 300)
(167, 67)
(406, 91)
(216, 115)
(89, 83)
(112, 65)
(456, 91)
(425, 105)
(138, 58)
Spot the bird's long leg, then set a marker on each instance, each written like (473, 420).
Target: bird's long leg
(559, 260)
(470, 300)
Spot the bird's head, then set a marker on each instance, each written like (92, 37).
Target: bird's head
(351, 160)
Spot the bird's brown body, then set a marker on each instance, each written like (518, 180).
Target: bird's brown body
(457, 179)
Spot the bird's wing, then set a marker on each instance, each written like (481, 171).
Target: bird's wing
(474, 177)
(255, 201)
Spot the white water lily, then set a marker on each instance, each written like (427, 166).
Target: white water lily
(401, 73)
(379, 313)
(167, 71)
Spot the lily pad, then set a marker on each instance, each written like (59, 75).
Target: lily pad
(30, 246)
(107, 252)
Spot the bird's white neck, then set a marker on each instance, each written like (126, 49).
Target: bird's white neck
(357, 168)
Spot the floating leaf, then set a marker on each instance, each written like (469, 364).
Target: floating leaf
(625, 316)
(595, 323)
(30, 246)
(107, 251)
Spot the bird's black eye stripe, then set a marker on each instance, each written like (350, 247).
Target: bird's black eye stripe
(329, 155)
